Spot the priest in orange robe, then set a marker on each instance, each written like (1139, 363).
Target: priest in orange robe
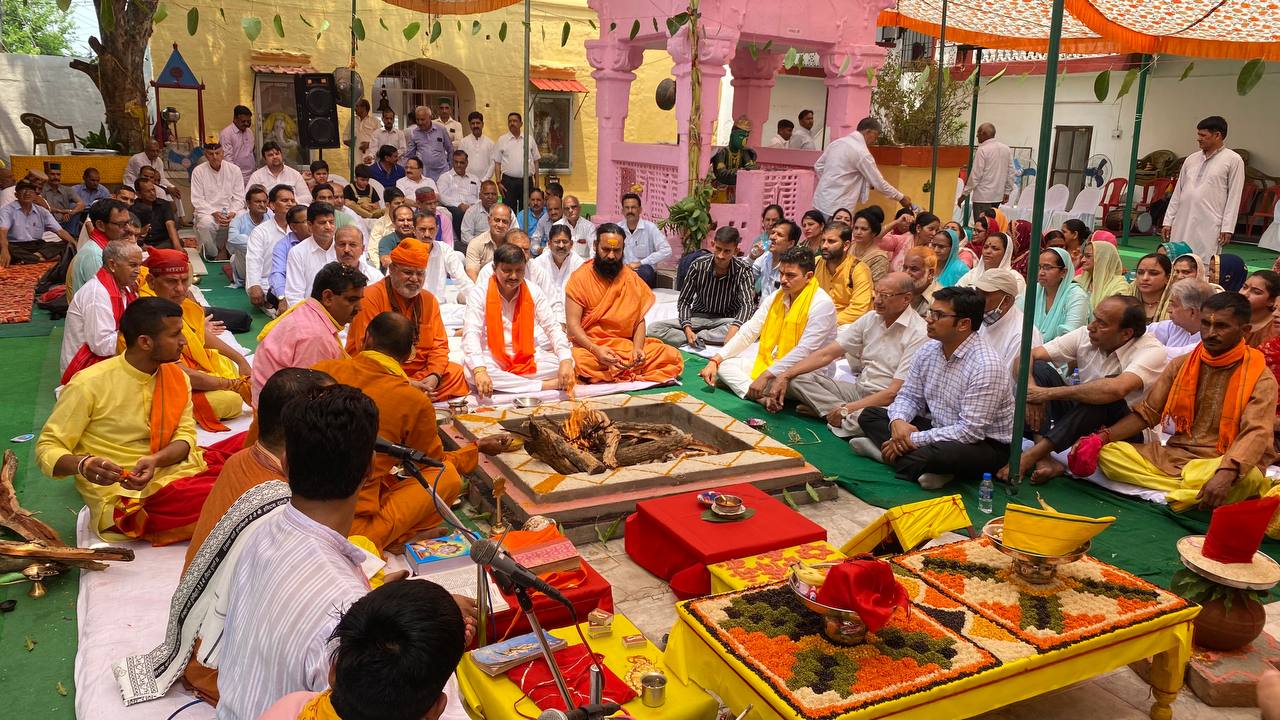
(605, 304)
(401, 291)
(390, 509)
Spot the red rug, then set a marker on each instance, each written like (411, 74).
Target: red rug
(17, 291)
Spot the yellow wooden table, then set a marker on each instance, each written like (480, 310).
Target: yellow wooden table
(767, 568)
(498, 698)
(976, 639)
(110, 167)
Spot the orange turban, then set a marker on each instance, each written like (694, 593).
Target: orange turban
(411, 252)
(167, 262)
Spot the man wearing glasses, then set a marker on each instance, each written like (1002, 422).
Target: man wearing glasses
(953, 416)
(879, 347)
(584, 233)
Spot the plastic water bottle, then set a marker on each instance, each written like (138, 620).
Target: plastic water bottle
(1075, 377)
(985, 491)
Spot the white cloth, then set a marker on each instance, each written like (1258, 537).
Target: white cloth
(89, 322)
(508, 152)
(371, 273)
(1144, 357)
(257, 260)
(778, 142)
(556, 277)
(410, 187)
(1206, 200)
(10, 195)
(877, 354)
(801, 139)
(992, 176)
(443, 265)
(365, 128)
(287, 176)
(383, 136)
(1177, 341)
(220, 190)
(282, 610)
(305, 260)
(846, 173)
(819, 332)
(584, 236)
(646, 244)
(552, 346)
(139, 161)
(458, 189)
(453, 127)
(481, 153)
(534, 275)
(970, 279)
(1005, 336)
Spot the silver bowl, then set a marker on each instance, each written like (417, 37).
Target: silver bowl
(843, 627)
(443, 417)
(1032, 567)
(526, 401)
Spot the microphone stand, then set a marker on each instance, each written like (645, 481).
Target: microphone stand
(526, 605)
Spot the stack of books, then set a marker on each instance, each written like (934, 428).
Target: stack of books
(500, 657)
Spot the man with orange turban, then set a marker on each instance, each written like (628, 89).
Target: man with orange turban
(401, 291)
(219, 374)
(604, 305)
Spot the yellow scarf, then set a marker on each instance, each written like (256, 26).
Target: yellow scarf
(783, 327)
(387, 362)
(320, 708)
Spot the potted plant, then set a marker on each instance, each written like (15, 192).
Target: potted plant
(1229, 618)
(99, 142)
(690, 217)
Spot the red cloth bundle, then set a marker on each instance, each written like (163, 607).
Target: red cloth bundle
(866, 586)
(1235, 530)
(534, 679)
(1082, 461)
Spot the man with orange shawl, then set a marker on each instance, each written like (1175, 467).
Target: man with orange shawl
(796, 321)
(401, 291)
(1221, 399)
(393, 509)
(123, 429)
(219, 374)
(604, 304)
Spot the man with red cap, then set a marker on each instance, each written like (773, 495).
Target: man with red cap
(428, 367)
(219, 374)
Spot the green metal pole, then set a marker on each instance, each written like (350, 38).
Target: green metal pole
(528, 124)
(351, 151)
(937, 111)
(1147, 62)
(973, 132)
(1037, 222)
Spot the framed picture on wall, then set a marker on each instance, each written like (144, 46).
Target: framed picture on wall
(277, 116)
(553, 131)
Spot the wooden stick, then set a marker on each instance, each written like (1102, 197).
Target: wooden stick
(12, 514)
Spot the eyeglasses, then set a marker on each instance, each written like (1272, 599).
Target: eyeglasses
(934, 315)
(887, 295)
(121, 224)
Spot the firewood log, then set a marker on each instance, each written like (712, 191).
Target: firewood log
(552, 448)
(13, 516)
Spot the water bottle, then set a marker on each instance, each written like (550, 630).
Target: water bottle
(1075, 377)
(985, 491)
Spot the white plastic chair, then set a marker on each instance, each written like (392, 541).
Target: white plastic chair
(957, 212)
(1055, 201)
(1084, 209)
(1011, 209)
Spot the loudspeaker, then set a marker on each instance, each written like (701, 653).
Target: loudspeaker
(317, 106)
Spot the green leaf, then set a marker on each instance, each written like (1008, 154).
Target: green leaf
(107, 16)
(1186, 71)
(613, 26)
(791, 58)
(635, 29)
(64, 5)
(436, 29)
(278, 23)
(383, 23)
(607, 535)
(1127, 82)
(767, 46)
(160, 14)
(412, 29)
(252, 27)
(564, 34)
(222, 15)
(306, 22)
(998, 75)
(502, 32)
(844, 66)
(753, 51)
(193, 20)
(1250, 76)
(1102, 85)
(593, 25)
(786, 497)
(475, 28)
(655, 24)
(324, 25)
(459, 25)
(357, 28)
(675, 21)
(813, 494)
(871, 75)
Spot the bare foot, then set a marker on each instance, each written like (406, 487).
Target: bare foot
(1046, 470)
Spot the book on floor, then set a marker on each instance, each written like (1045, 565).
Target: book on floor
(500, 657)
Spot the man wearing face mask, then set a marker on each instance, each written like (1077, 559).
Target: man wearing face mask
(1002, 321)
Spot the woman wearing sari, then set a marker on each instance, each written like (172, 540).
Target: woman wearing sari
(967, 256)
(995, 254)
(1021, 246)
(944, 246)
(1061, 305)
(1151, 286)
(811, 224)
(1102, 272)
(1228, 272)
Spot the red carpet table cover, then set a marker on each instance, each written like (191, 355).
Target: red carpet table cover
(591, 593)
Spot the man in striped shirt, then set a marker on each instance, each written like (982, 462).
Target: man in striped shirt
(717, 297)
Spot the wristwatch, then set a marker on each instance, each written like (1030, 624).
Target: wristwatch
(844, 411)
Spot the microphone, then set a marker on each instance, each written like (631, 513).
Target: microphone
(386, 447)
(487, 552)
(586, 712)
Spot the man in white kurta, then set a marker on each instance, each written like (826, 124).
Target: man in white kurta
(584, 233)
(275, 172)
(534, 274)
(556, 263)
(552, 356)
(262, 241)
(1206, 201)
(307, 257)
(847, 172)
(90, 318)
(991, 180)
(734, 365)
(217, 196)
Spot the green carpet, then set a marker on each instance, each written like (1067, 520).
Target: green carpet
(1254, 257)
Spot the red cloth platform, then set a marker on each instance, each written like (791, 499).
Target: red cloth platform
(593, 592)
(668, 538)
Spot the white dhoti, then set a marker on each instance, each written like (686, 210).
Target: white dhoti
(505, 382)
(735, 372)
(551, 345)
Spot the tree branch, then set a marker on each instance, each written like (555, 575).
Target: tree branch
(89, 69)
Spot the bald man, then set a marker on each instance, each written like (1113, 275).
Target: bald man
(991, 180)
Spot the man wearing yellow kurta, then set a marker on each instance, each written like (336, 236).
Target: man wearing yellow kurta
(124, 429)
(219, 374)
(844, 277)
(1221, 399)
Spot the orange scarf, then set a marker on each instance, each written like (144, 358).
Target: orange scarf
(319, 708)
(167, 403)
(1180, 408)
(522, 361)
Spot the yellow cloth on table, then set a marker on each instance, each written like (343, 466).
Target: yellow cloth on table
(105, 410)
(1121, 462)
(783, 327)
(912, 524)
(768, 568)
(1047, 532)
(498, 698)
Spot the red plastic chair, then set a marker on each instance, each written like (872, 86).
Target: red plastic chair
(1247, 195)
(1113, 195)
(1153, 191)
(1266, 209)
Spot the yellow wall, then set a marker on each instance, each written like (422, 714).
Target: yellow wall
(219, 55)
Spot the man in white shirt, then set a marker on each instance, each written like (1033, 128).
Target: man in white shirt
(217, 196)
(847, 171)
(387, 134)
(275, 172)
(584, 232)
(262, 241)
(646, 245)
(444, 264)
(802, 137)
(784, 236)
(991, 179)
(237, 142)
(557, 262)
(348, 249)
(365, 125)
(516, 362)
(554, 214)
(533, 274)
(446, 120)
(786, 130)
(413, 179)
(1118, 362)
(1206, 201)
(1002, 318)
(508, 162)
(480, 149)
(480, 249)
(257, 203)
(458, 189)
(476, 220)
(879, 347)
(150, 156)
(1181, 332)
(91, 318)
(735, 365)
(307, 257)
